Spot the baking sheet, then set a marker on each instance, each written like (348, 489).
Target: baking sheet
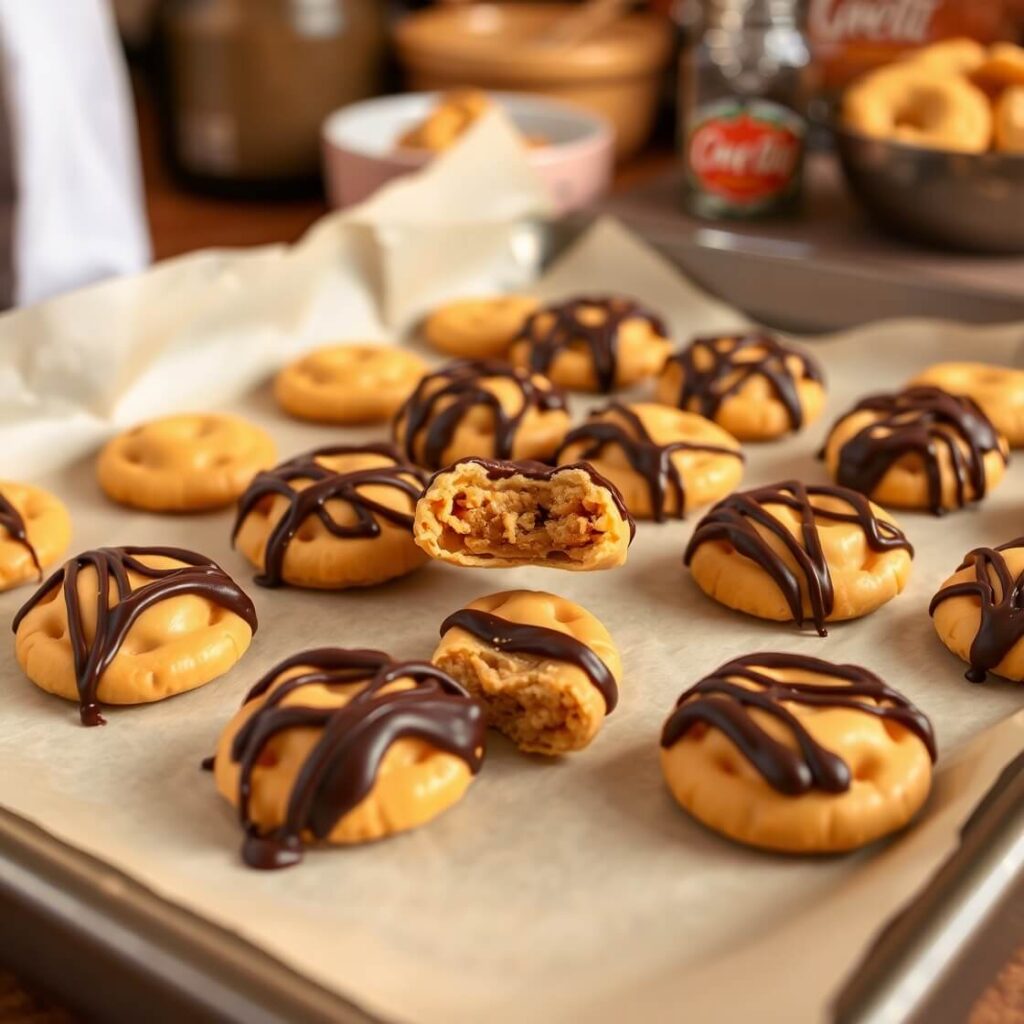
(555, 889)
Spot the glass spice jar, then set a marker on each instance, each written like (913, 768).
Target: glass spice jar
(745, 86)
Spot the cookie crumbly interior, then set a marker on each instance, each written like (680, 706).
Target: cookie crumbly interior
(524, 699)
(520, 519)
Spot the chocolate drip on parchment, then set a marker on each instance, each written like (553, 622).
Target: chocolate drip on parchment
(505, 469)
(341, 768)
(442, 400)
(567, 330)
(729, 368)
(651, 460)
(1001, 605)
(735, 519)
(328, 485)
(920, 421)
(539, 641)
(13, 522)
(198, 576)
(722, 701)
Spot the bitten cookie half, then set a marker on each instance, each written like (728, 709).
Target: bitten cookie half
(35, 530)
(545, 669)
(132, 625)
(797, 754)
(491, 514)
(789, 552)
(186, 463)
(345, 746)
(978, 611)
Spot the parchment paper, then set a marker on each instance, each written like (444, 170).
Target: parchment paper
(555, 891)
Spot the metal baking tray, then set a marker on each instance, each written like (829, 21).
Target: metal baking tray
(113, 950)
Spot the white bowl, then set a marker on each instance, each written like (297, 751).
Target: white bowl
(360, 152)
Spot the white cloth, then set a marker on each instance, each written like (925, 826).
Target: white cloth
(78, 214)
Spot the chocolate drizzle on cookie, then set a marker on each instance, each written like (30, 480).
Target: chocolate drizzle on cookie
(198, 576)
(1001, 604)
(341, 768)
(922, 422)
(539, 641)
(554, 329)
(327, 485)
(651, 460)
(735, 521)
(432, 414)
(530, 470)
(726, 700)
(14, 523)
(716, 368)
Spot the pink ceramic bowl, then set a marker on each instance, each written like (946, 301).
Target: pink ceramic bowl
(360, 153)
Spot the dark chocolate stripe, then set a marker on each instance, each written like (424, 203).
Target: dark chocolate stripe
(726, 371)
(567, 330)
(198, 576)
(328, 485)
(427, 421)
(725, 699)
(539, 641)
(342, 767)
(920, 421)
(1002, 617)
(13, 522)
(651, 460)
(735, 518)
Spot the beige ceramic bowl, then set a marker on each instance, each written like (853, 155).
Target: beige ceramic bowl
(617, 73)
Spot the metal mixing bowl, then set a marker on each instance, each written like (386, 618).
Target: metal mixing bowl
(966, 201)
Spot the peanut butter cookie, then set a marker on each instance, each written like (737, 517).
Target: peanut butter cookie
(478, 328)
(544, 668)
(753, 385)
(482, 408)
(797, 754)
(132, 625)
(186, 463)
(348, 383)
(793, 553)
(920, 448)
(663, 461)
(345, 746)
(335, 517)
(494, 515)
(35, 530)
(593, 344)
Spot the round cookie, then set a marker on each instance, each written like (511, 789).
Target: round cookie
(35, 530)
(185, 463)
(1002, 68)
(335, 517)
(1009, 120)
(348, 383)
(477, 328)
(792, 553)
(753, 385)
(545, 669)
(977, 611)
(480, 408)
(999, 390)
(663, 461)
(345, 746)
(497, 515)
(132, 625)
(593, 343)
(920, 448)
(797, 754)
